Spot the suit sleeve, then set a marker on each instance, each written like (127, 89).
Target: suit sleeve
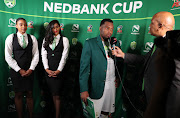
(85, 67)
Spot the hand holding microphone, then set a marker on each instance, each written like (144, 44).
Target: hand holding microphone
(116, 50)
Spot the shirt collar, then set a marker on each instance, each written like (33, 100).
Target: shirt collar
(57, 37)
(19, 34)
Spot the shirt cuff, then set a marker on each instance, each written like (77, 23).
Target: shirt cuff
(17, 69)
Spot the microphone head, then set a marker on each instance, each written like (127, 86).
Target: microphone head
(113, 40)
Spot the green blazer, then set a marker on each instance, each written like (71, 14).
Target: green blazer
(93, 67)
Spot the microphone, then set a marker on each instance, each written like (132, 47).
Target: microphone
(113, 42)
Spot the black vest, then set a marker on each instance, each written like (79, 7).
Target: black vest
(23, 56)
(54, 56)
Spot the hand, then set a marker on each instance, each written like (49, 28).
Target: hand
(117, 82)
(28, 72)
(22, 72)
(118, 52)
(84, 96)
(50, 73)
(57, 72)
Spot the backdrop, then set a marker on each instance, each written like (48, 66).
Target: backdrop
(79, 20)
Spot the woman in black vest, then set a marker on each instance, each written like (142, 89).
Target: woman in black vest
(22, 55)
(55, 49)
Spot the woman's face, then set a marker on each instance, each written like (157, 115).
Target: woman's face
(56, 29)
(21, 26)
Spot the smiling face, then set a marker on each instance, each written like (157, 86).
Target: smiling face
(56, 29)
(106, 30)
(21, 25)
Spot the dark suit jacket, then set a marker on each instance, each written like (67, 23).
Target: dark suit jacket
(169, 98)
(149, 72)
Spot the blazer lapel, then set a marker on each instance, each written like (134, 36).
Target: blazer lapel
(99, 42)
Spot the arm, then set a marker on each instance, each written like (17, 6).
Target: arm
(8, 55)
(45, 60)
(64, 56)
(35, 56)
(85, 70)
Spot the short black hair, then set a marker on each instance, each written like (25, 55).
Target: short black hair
(105, 20)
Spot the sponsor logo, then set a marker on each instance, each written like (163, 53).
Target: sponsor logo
(74, 41)
(148, 46)
(176, 4)
(11, 108)
(43, 104)
(12, 22)
(11, 94)
(133, 45)
(10, 3)
(89, 28)
(119, 29)
(46, 24)
(75, 28)
(135, 29)
(9, 83)
(62, 26)
(149, 30)
(30, 24)
(120, 42)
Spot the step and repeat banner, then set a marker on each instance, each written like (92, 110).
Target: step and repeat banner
(79, 21)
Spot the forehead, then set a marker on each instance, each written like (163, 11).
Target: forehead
(108, 24)
(21, 22)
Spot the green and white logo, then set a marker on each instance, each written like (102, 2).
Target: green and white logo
(12, 22)
(43, 104)
(74, 41)
(11, 94)
(10, 3)
(46, 24)
(133, 45)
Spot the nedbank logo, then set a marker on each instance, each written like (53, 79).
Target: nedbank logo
(9, 83)
(135, 29)
(176, 4)
(148, 46)
(89, 28)
(119, 29)
(75, 28)
(62, 26)
(11, 108)
(133, 45)
(12, 22)
(120, 42)
(10, 3)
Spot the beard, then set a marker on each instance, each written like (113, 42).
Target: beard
(105, 38)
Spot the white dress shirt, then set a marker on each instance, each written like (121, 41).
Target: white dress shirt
(64, 53)
(9, 51)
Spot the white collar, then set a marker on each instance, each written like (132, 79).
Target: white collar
(19, 34)
(57, 37)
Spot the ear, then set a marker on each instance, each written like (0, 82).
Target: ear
(100, 28)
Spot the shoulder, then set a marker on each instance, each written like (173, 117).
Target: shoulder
(91, 39)
(9, 38)
(65, 38)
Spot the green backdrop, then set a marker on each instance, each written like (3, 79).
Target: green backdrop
(79, 20)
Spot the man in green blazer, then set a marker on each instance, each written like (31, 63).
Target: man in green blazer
(97, 65)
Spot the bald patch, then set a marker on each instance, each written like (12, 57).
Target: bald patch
(165, 18)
